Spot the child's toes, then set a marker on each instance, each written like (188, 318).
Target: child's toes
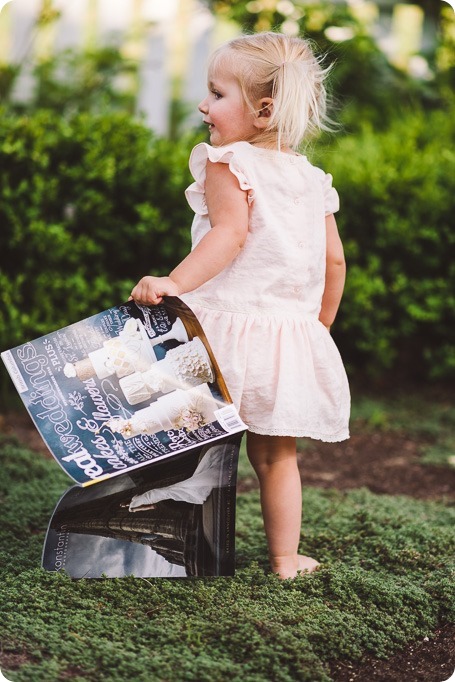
(307, 565)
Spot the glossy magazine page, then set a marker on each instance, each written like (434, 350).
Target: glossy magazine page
(124, 388)
(173, 518)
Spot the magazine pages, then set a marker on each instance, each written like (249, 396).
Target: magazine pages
(173, 518)
(123, 388)
(132, 399)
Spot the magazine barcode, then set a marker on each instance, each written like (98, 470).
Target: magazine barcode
(229, 418)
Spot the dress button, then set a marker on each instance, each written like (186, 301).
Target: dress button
(297, 201)
(301, 245)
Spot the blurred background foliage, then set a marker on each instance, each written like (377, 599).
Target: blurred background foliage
(72, 81)
(88, 204)
(366, 85)
(91, 199)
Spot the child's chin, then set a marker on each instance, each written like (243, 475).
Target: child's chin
(217, 141)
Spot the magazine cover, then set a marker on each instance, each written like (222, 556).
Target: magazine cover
(173, 518)
(123, 388)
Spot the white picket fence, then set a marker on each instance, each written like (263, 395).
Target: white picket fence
(168, 38)
(171, 40)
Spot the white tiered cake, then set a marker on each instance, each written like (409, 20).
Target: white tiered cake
(131, 351)
(177, 410)
(183, 367)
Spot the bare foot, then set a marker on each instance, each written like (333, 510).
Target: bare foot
(291, 567)
(307, 564)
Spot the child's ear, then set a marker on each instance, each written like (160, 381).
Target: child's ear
(263, 112)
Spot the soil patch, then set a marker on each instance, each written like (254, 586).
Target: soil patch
(428, 660)
(383, 462)
(20, 426)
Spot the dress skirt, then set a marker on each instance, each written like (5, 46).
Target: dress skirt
(284, 373)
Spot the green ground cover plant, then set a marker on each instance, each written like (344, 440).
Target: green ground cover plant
(385, 581)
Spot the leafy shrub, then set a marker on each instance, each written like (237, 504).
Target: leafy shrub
(72, 81)
(397, 191)
(87, 206)
(90, 204)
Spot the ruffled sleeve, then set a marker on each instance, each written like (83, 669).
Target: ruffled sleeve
(195, 193)
(331, 198)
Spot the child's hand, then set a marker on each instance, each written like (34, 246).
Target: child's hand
(150, 290)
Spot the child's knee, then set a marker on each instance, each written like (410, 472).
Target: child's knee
(268, 450)
(275, 459)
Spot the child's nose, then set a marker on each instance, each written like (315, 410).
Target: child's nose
(202, 106)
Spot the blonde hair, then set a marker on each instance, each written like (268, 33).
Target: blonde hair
(285, 69)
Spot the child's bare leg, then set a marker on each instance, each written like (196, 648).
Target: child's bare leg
(274, 460)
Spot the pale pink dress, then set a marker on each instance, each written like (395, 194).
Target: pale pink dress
(260, 314)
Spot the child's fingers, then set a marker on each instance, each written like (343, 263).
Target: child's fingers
(145, 293)
(150, 290)
(152, 294)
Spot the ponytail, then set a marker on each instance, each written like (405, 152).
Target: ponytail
(285, 69)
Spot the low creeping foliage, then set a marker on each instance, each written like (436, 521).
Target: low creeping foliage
(384, 581)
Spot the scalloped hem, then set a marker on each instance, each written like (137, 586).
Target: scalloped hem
(295, 433)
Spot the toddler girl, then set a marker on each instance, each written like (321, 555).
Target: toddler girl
(266, 272)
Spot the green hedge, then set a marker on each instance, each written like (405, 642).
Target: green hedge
(397, 193)
(87, 206)
(90, 204)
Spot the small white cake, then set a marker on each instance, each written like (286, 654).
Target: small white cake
(180, 409)
(130, 351)
(183, 367)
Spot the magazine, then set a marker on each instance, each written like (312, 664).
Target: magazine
(123, 388)
(132, 400)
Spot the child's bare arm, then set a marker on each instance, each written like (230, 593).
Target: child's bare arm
(335, 273)
(227, 206)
